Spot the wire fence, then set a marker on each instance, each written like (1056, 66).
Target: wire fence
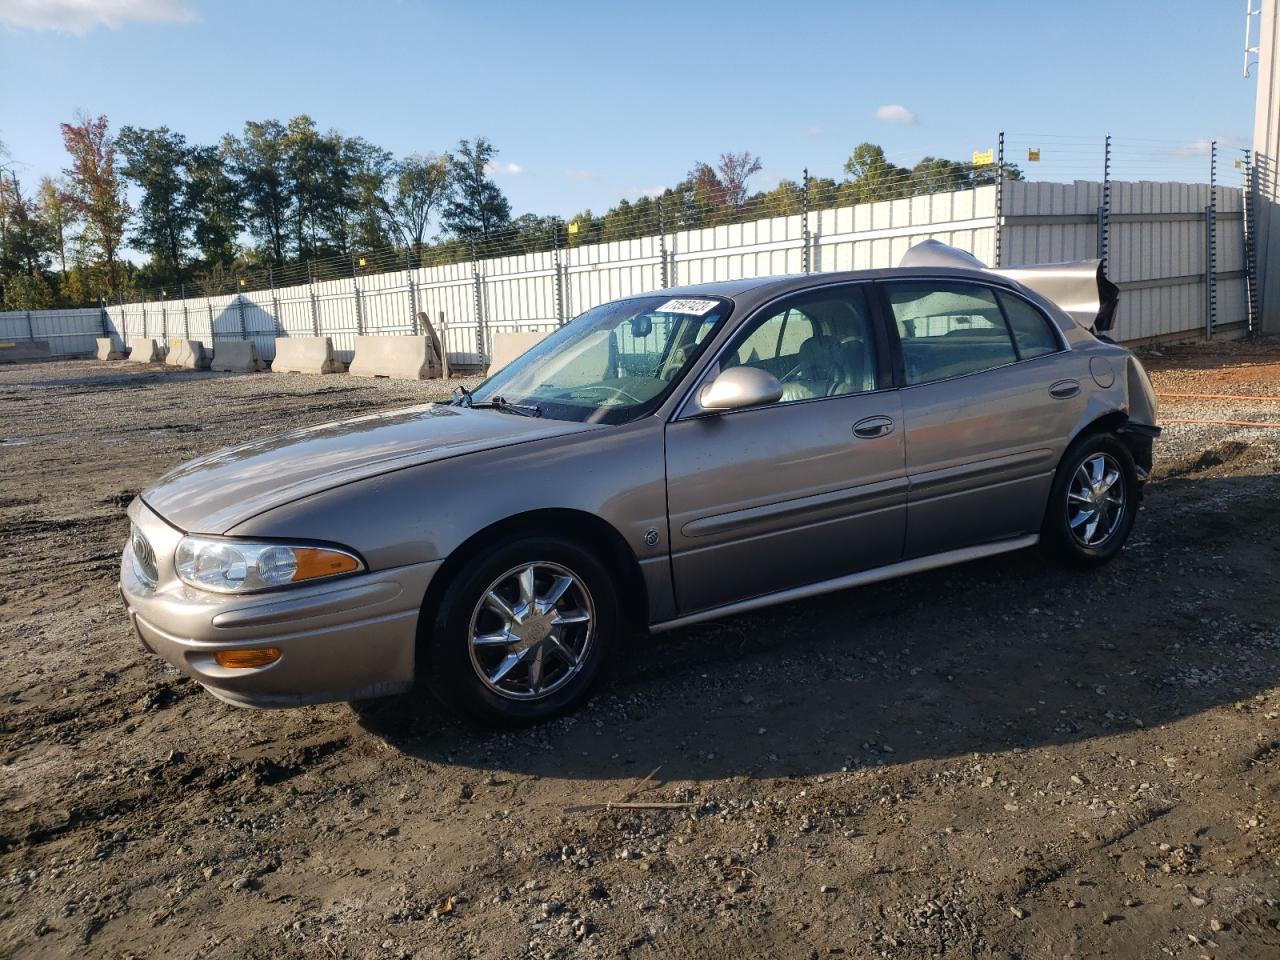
(1030, 198)
(1029, 156)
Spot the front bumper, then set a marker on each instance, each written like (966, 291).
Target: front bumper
(345, 639)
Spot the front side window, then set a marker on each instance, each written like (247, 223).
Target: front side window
(948, 329)
(819, 344)
(613, 364)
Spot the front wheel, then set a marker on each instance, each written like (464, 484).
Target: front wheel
(1093, 503)
(522, 632)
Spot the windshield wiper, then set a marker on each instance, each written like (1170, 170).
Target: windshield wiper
(499, 403)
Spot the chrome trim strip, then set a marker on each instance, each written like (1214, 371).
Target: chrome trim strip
(902, 568)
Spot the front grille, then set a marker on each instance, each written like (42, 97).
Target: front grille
(144, 558)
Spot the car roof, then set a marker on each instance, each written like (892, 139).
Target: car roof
(760, 288)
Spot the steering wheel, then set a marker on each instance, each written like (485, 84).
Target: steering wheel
(616, 391)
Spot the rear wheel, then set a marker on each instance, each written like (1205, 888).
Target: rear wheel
(522, 632)
(1093, 503)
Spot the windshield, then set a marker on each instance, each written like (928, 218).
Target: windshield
(613, 364)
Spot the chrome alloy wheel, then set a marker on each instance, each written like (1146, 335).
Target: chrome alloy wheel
(531, 631)
(1096, 500)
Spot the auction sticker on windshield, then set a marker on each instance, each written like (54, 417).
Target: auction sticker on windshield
(695, 307)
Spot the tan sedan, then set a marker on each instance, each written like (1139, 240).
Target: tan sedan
(663, 459)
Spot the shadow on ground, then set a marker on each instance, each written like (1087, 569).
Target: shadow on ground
(1008, 653)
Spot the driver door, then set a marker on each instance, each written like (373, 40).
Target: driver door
(799, 491)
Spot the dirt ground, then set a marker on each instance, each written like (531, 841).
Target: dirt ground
(1004, 759)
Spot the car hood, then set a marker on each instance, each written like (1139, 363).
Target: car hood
(215, 492)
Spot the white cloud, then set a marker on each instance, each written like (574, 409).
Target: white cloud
(1197, 148)
(636, 192)
(511, 169)
(814, 131)
(81, 16)
(897, 113)
(584, 176)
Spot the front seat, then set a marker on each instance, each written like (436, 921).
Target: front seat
(819, 372)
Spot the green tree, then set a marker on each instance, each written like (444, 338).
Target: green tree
(418, 185)
(476, 208)
(358, 175)
(261, 164)
(97, 193)
(25, 245)
(937, 175)
(873, 177)
(55, 210)
(214, 198)
(156, 160)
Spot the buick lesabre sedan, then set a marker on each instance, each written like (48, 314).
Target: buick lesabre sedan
(661, 460)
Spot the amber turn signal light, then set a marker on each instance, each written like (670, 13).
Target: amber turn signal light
(314, 563)
(246, 659)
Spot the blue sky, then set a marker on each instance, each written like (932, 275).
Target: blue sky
(591, 101)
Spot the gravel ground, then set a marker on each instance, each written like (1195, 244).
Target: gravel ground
(1003, 759)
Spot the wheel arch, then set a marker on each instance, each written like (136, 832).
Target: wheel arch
(586, 529)
(1137, 440)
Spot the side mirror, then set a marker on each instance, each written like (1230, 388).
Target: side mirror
(740, 387)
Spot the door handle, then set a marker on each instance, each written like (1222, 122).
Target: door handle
(1064, 389)
(872, 427)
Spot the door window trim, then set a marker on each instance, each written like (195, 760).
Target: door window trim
(886, 375)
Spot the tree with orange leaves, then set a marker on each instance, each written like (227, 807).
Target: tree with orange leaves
(96, 192)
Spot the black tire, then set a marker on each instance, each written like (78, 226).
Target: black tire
(1057, 535)
(448, 668)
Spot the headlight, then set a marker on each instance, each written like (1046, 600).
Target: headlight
(236, 566)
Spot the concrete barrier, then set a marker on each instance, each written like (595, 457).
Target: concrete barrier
(404, 358)
(305, 355)
(109, 349)
(508, 346)
(146, 351)
(15, 351)
(236, 356)
(188, 354)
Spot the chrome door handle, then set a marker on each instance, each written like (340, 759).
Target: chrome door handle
(1064, 389)
(872, 427)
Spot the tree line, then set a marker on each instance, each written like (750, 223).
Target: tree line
(284, 202)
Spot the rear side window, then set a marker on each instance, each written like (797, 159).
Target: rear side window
(1030, 328)
(949, 329)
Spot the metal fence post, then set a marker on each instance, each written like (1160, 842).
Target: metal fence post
(1211, 246)
(244, 332)
(478, 293)
(104, 317)
(559, 285)
(804, 251)
(1250, 250)
(315, 307)
(186, 320)
(662, 241)
(355, 289)
(164, 323)
(413, 293)
(31, 330)
(1104, 211)
(999, 196)
(276, 325)
(213, 330)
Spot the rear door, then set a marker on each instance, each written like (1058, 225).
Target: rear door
(990, 396)
(798, 491)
